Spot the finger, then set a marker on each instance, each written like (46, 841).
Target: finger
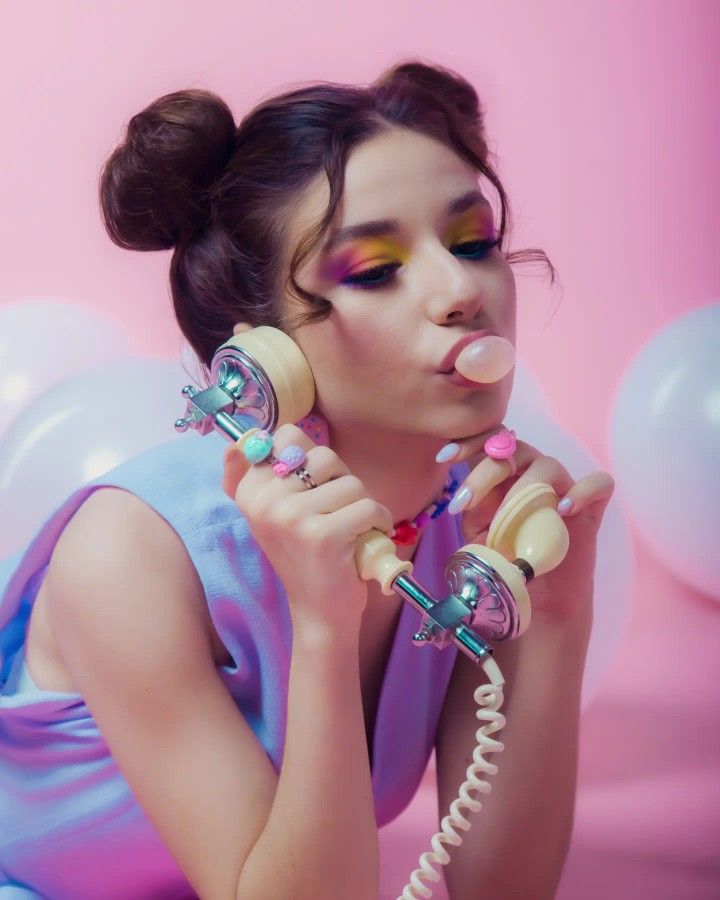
(338, 493)
(234, 468)
(592, 493)
(488, 474)
(472, 447)
(545, 470)
(236, 464)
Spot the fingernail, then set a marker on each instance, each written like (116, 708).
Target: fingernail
(459, 501)
(565, 505)
(447, 452)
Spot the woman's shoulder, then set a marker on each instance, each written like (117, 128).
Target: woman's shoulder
(180, 479)
(112, 515)
(115, 531)
(167, 504)
(116, 552)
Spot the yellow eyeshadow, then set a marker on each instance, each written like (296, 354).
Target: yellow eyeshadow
(472, 219)
(368, 252)
(381, 247)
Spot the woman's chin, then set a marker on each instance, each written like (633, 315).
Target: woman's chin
(478, 418)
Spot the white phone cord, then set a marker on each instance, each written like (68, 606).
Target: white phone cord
(489, 697)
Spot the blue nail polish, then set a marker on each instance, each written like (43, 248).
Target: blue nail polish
(460, 501)
(447, 452)
(565, 505)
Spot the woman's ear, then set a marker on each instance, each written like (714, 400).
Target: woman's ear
(239, 327)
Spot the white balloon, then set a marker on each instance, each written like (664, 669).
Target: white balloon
(665, 446)
(81, 428)
(615, 561)
(42, 342)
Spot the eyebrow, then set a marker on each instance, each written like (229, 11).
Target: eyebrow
(392, 226)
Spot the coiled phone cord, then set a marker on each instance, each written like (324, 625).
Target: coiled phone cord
(489, 698)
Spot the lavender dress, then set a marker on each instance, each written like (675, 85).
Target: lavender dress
(70, 826)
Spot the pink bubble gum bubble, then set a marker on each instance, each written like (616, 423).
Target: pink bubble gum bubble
(487, 359)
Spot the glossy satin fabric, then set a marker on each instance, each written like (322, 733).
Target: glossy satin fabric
(70, 826)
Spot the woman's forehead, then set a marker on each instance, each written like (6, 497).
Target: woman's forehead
(397, 175)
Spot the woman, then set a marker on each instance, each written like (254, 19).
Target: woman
(192, 666)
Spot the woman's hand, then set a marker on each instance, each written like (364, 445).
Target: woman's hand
(566, 592)
(309, 536)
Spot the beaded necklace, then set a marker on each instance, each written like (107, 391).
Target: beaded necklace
(406, 532)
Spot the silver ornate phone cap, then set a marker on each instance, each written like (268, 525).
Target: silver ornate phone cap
(241, 388)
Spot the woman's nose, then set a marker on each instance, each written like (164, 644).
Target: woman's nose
(454, 287)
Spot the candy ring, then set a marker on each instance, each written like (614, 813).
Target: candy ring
(291, 458)
(503, 446)
(257, 447)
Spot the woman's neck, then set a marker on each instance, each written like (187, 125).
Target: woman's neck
(399, 471)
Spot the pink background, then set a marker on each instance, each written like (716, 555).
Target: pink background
(604, 117)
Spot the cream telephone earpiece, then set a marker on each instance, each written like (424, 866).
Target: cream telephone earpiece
(261, 380)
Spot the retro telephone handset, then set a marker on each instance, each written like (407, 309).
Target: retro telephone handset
(263, 375)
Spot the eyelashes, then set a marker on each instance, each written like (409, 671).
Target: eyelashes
(381, 276)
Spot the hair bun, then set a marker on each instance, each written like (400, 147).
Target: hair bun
(448, 86)
(154, 186)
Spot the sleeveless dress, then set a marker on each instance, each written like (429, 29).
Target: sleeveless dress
(70, 826)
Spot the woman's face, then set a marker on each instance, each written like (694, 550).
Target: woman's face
(376, 359)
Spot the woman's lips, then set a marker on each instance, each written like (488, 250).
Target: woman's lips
(448, 362)
(455, 377)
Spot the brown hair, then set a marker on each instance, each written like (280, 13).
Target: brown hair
(186, 177)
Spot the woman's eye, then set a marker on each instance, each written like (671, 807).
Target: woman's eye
(383, 275)
(372, 277)
(482, 247)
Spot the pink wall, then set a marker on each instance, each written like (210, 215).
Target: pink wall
(604, 117)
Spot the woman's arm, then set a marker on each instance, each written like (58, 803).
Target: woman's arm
(518, 841)
(129, 613)
(321, 838)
